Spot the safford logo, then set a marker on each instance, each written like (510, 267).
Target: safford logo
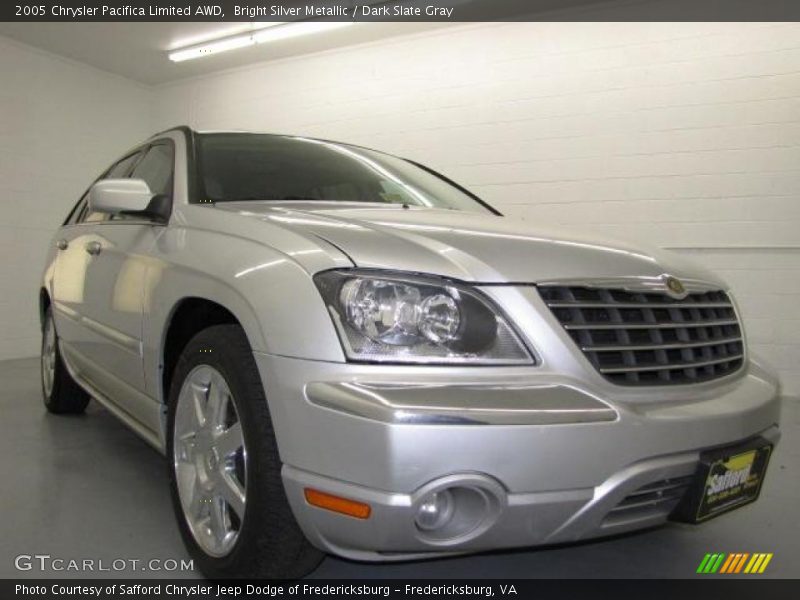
(727, 481)
(674, 286)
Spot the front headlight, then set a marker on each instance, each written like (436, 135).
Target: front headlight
(388, 317)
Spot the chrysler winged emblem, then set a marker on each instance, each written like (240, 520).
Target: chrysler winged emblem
(675, 287)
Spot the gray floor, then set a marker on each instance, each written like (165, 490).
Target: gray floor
(87, 488)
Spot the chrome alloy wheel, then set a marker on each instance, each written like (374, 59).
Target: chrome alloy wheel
(48, 356)
(210, 460)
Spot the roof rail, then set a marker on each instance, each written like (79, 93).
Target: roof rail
(184, 128)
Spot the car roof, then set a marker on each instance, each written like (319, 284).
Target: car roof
(190, 132)
(187, 129)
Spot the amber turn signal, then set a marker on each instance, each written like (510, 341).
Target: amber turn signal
(344, 506)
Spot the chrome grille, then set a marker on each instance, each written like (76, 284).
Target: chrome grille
(650, 338)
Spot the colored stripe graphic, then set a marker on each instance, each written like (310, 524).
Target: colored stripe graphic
(728, 564)
(757, 564)
(710, 563)
(736, 562)
(761, 563)
(703, 563)
(714, 563)
(765, 563)
(720, 562)
(741, 563)
(751, 564)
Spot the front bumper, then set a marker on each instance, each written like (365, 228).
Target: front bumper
(548, 471)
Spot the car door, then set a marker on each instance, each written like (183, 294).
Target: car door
(70, 299)
(116, 256)
(115, 284)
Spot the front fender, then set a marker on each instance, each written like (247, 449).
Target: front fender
(271, 295)
(46, 280)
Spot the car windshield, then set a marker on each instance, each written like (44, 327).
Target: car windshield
(243, 166)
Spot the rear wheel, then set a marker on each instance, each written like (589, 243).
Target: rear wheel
(224, 467)
(60, 392)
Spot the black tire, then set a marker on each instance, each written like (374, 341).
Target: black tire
(65, 396)
(270, 543)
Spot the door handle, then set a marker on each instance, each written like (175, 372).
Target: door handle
(62, 244)
(94, 248)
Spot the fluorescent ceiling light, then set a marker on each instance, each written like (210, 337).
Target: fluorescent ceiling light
(212, 48)
(219, 34)
(288, 30)
(268, 34)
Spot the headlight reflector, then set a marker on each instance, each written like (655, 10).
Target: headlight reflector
(439, 318)
(383, 311)
(389, 317)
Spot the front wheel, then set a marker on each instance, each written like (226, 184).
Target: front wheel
(225, 473)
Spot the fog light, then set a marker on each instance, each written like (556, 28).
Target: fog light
(435, 510)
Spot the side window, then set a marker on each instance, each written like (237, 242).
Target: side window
(87, 216)
(121, 168)
(74, 215)
(83, 208)
(156, 169)
(93, 216)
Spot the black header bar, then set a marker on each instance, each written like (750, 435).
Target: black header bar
(734, 588)
(401, 10)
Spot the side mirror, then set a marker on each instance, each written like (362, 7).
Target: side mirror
(119, 195)
(129, 196)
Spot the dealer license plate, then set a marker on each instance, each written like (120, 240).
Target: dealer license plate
(727, 478)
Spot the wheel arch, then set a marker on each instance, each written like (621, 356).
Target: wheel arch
(270, 296)
(44, 304)
(189, 316)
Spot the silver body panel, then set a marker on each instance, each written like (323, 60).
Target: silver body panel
(555, 445)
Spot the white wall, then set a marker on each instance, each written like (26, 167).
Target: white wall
(682, 135)
(60, 124)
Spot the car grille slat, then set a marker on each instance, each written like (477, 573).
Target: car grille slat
(658, 346)
(655, 500)
(651, 325)
(634, 305)
(649, 337)
(673, 366)
(661, 487)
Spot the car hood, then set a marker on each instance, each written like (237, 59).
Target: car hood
(464, 245)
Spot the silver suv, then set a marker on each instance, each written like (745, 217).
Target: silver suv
(340, 350)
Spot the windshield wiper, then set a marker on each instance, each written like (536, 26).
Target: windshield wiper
(265, 199)
(290, 198)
